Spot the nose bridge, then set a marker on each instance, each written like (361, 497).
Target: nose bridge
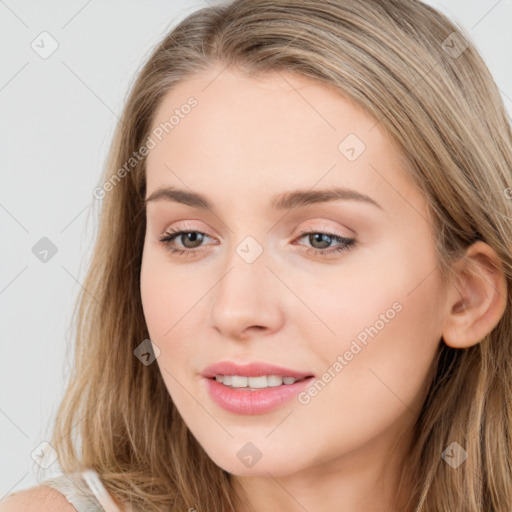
(246, 295)
(247, 272)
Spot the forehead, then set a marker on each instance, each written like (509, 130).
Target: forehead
(277, 130)
(231, 103)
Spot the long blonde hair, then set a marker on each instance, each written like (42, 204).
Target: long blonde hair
(423, 81)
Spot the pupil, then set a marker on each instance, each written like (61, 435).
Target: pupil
(193, 237)
(320, 236)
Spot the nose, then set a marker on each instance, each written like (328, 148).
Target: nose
(247, 299)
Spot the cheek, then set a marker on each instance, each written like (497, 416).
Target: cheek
(375, 373)
(167, 302)
(385, 310)
(393, 335)
(168, 297)
(173, 301)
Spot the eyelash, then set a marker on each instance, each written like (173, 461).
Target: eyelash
(169, 236)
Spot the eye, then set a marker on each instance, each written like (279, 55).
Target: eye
(191, 241)
(321, 241)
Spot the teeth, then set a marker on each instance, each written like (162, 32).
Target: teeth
(238, 382)
(264, 381)
(258, 382)
(274, 380)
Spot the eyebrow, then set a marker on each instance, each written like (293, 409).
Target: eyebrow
(285, 200)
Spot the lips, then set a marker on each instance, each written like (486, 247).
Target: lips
(245, 400)
(256, 369)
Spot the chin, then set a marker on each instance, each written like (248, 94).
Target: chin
(248, 460)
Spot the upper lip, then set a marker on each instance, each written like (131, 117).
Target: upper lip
(256, 369)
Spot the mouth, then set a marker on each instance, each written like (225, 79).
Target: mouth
(256, 388)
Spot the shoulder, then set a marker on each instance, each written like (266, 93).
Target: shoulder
(36, 499)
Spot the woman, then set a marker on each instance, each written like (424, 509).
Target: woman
(299, 296)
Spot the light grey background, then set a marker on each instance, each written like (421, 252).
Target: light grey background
(57, 119)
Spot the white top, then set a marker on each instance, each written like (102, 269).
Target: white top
(84, 491)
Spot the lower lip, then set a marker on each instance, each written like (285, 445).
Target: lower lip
(247, 401)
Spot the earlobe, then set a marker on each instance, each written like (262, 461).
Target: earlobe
(477, 297)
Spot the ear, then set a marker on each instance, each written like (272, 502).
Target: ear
(477, 297)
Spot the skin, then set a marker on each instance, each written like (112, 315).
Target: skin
(249, 139)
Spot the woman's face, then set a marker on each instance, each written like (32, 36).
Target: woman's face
(266, 155)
